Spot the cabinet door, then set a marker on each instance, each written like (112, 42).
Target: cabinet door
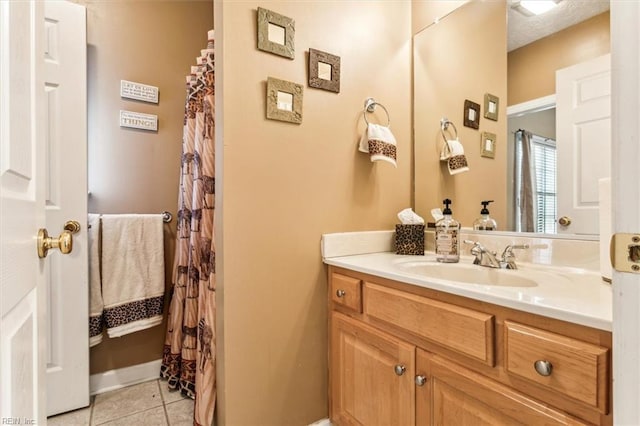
(372, 376)
(453, 395)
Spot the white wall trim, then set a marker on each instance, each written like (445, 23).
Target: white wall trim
(323, 422)
(533, 105)
(122, 377)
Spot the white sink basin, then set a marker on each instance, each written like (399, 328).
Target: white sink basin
(468, 273)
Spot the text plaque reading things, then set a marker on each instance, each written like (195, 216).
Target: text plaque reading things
(138, 91)
(138, 120)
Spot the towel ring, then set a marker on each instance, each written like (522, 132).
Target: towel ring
(370, 106)
(444, 126)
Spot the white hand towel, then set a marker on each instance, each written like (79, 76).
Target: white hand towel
(380, 143)
(453, 154)
(96, 306)
(132, 272)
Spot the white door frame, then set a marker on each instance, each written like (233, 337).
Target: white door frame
(625, 179)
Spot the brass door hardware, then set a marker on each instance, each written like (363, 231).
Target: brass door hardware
(564, 221)
(624, 251)
(64, 242)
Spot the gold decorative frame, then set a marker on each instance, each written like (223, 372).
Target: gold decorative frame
(266, 17)
(488, 145)
(491, 105)
(274, 86)
(316, 56)
(471, 114)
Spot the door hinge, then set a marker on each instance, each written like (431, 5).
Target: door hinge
(624, 251)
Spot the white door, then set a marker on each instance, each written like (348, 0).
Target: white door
(43, 302)
(583, 140)
(66, 199)
(625, 65)
(22, 284)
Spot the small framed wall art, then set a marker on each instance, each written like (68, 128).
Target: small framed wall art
(276, 33)
(284, 100)
(491, 104)
(488, 145)
(471, 114)
(324, 71)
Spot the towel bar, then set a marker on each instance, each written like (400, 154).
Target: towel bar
(167, 217)
(370, 106)
(444, 126)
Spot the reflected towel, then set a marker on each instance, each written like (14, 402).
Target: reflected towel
(380, 143)
(96, 324)
(453, 154)
(132, 272)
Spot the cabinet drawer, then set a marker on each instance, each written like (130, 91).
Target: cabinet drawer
(346, 291)
(578, 369)
(463, 330)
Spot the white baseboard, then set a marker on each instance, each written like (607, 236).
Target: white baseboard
(323, 422)
(122, 377)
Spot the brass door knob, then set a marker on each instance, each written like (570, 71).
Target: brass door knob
(564, 221)
(64, 242)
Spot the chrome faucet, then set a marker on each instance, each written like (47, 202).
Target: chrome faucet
(484, 257)
(508, 258)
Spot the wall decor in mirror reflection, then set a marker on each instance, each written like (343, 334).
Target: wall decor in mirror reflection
(276, 33)
(471, 114)
(324, 71)
(529, 103)
(284, 100)
(488, 145)
(491, 104)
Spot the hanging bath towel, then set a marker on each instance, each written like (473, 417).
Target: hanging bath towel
(132, 272)
(380, 143)
(96, 306)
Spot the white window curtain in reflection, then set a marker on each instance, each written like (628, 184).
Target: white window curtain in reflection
(188, 362)
(525, 182)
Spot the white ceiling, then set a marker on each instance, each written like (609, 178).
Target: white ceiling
(526, 29)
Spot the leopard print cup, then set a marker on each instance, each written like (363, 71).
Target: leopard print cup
(410, 239)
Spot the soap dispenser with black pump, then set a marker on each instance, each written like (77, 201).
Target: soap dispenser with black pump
(485, 222)
(447, 230)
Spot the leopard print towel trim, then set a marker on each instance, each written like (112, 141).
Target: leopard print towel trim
(457, 162)
(382, 148)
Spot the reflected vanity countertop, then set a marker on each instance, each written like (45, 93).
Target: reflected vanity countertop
(569, 294)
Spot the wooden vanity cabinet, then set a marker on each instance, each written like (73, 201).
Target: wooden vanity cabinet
(406, 355)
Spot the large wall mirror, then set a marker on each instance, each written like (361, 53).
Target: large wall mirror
(498, 48)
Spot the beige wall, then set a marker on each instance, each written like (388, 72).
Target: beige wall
(462, 57)
(132, 171)
(425, 12)
(532, 68)
(284, 185)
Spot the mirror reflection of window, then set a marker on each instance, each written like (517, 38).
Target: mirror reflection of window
(492, 107)
(324, 71)
(285, 101)
(276, 34)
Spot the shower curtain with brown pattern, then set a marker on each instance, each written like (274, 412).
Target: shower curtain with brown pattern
(188, 361)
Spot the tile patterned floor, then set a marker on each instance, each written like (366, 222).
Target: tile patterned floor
(145, 404)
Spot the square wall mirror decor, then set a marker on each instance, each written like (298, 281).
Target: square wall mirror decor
(324, 71)
(276, 33)
(488, 145)
(471, 114)
(284, 100)
(491, 104)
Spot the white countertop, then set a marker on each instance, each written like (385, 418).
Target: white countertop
(568, 294)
